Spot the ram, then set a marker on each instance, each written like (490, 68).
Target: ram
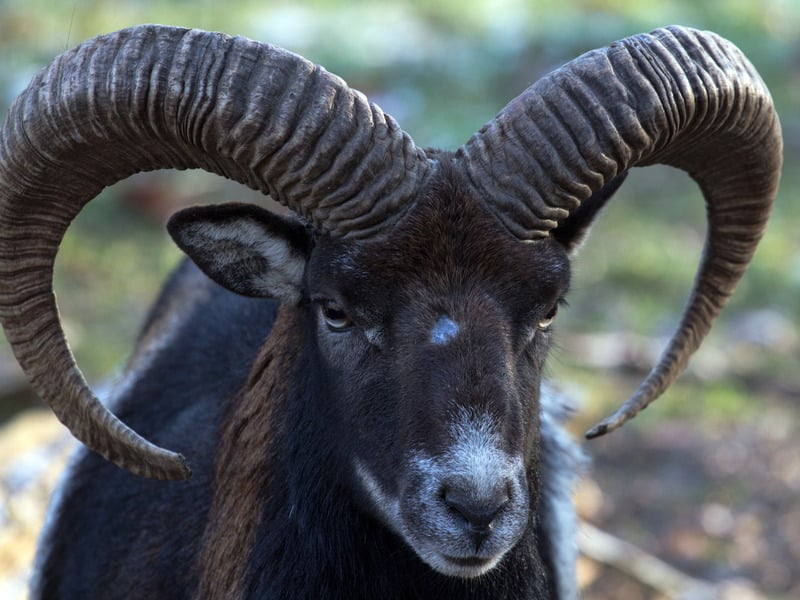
(357, 388)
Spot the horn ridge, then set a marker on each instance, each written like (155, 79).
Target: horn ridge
(154, 97)
(676, 96)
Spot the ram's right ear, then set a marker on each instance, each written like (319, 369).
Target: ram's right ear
(245, 248)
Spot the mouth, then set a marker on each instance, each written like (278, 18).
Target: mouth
(471, 566)
(464, 533)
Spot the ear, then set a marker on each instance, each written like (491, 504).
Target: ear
(572, 231)
(245, 248)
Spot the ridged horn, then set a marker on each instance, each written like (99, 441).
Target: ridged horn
(675, 96)
(155, 97)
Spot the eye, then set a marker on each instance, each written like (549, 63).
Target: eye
(335, 317)
(548, 318)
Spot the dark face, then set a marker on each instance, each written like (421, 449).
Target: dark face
(433, 342)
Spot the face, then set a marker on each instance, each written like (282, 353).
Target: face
(434, 341)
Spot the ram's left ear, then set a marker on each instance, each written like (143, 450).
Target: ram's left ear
(572, 231)
(245, 248)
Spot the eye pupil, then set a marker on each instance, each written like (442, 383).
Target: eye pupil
(334, 316)
(548, 318)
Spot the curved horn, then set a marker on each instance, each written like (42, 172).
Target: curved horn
(154, 97)
(676, 96)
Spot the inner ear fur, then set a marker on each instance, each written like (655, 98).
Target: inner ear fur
(572, 231)
(245, 248)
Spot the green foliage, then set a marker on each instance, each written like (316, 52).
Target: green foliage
(108, 271)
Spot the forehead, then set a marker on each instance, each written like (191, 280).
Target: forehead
(448, 246)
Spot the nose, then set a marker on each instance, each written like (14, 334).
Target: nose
(477, 512)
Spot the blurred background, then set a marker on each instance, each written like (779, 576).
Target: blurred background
(700, 490)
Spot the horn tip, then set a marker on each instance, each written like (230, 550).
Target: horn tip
(185, 471)
(635, 404)
(610, 423)
(597, 431)
(616, 420)
(166, 466)
(176, 469)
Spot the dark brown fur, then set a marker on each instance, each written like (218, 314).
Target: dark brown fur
(243, 470)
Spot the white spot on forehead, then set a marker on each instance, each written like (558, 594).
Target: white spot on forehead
(443, 331)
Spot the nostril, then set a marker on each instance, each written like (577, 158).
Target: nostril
(477, 512)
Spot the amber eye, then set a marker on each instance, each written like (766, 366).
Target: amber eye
(335, 318)
(548, 318)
